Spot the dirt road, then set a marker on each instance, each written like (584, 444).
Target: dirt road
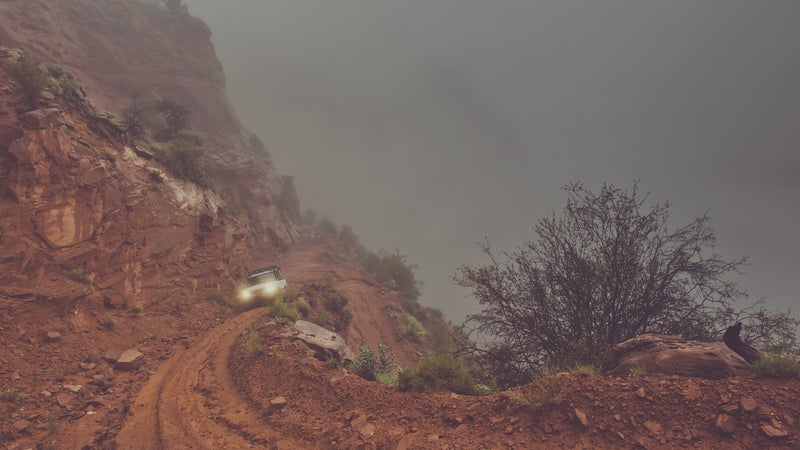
(191, 402)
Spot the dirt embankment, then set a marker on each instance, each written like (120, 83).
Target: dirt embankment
(331, 408)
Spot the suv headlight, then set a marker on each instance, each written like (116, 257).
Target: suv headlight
(270, 288)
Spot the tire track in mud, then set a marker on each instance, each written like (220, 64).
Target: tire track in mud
(191, 402)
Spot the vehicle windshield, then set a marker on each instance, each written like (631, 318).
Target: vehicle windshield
(261, 278)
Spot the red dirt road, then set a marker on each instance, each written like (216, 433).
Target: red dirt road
(191, 402)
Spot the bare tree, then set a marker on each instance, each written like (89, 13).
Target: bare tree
(608, 269)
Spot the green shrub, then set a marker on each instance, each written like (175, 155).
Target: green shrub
(303, 307)
(325, 253)
(32, 80)
(394, 271)
(141, 115)
(335, 301)
(594, 369)
(413, 329)
(343, 319)
(539, 395)
(66, 82)
(326, 224)
(407, 380)
(283, 313)
(390, 306)
(320, 318)
(777, 366)
(289, 295)
(255, 144)
(77, 274)
(348, 236)
(366, 365)
(155, 176)
(175, 118)
(51, 425)
(444, 371)
(372, 366)
(385, 378)
(13, 395)
(637, 371)
(440, 334)
(138, 310)
(182, 159)
(251, 343)
(386, 362)
(109, 322)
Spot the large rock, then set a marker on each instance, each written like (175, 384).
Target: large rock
(677, 356)
(324, 341)
(129, 361)
(41, 118)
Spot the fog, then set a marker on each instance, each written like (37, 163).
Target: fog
(432, 124)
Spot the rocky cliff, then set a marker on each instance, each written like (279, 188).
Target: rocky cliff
(86, 212)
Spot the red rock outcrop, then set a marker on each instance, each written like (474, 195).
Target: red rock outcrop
(80, 213)
(120, 50)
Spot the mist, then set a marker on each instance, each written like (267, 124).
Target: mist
(431, 125)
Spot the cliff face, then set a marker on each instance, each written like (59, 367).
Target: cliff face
(122, 49)
(84, 212)
(81, 216)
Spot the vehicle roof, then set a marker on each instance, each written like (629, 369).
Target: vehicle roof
(263, 270)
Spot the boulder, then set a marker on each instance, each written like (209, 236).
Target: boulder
(112, 356)
(52, 336)
(325, 342)
(114, 300)
(725, 423)
(65, 401)
(773, 432)
(129, 361)
(676, 356)
(41, 118)
(276, 404)
(367, 431)
(21, 425)
(581, 417)
(748, 404)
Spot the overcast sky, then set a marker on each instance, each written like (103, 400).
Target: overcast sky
(431, 124)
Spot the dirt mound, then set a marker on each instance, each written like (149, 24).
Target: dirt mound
(327, 407)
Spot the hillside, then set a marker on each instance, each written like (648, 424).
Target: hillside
(119, 316)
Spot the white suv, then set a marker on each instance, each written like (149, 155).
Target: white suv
(264, 282)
